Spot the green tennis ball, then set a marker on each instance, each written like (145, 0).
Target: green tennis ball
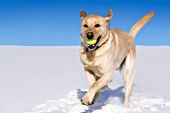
(91, 42)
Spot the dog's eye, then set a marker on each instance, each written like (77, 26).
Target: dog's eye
(85, 25)
(97, 25)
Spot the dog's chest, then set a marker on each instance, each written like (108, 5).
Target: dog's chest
(97, 64)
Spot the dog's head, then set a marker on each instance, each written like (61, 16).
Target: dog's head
(93, 28)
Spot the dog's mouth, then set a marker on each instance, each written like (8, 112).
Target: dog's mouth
(92, 46)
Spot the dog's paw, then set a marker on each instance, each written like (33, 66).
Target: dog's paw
(126, 103)
(88, 99)
(86, 102)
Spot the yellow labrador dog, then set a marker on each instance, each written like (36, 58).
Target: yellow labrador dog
(109, 50)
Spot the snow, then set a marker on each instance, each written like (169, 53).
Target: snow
(52, 80)
(109, 101)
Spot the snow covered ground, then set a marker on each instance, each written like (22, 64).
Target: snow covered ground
(52, 80)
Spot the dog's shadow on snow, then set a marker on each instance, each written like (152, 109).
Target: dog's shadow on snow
(104, 98)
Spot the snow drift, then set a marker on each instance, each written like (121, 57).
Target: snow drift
(109, 101)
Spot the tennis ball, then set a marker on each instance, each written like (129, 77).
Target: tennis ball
(91, 42)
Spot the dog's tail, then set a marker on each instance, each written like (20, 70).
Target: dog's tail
(134, 30)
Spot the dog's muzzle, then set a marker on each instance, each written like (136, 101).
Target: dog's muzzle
(93, 46)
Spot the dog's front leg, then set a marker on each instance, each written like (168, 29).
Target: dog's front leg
(91, 79)
(90, 76)
(96, 87)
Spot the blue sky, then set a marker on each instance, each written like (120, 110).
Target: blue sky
(57, 22)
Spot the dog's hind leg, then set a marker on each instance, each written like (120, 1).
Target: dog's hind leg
(127, 69)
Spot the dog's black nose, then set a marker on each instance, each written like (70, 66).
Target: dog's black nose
(90, 35)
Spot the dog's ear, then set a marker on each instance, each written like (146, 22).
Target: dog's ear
(82, 14)
(109, 15)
